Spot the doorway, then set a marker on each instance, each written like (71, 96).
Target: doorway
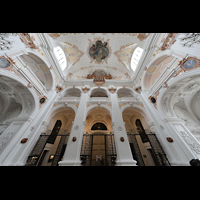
(98, 150)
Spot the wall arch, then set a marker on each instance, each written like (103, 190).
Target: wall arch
(95, 115)
(125, 92)
(158, 59)
(98, 121)
(96, 88)
(131, 114)
(38, 65)
(59, 108)
(30, 102)
(69, 92)
(107, 108)
(138, 109)
(165, 100)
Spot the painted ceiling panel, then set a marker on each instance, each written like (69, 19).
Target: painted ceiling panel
(91, 51)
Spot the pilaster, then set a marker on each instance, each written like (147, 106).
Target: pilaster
(177, 152)
(124, 155)
(72, 152)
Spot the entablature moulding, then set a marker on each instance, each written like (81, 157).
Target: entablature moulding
(107, 83)
(94, 101)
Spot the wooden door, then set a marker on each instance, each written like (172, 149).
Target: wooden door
(98, 150)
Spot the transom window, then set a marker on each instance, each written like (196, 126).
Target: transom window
(60, 55)
(136, 57)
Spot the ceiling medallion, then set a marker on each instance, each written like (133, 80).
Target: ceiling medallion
(99, 50)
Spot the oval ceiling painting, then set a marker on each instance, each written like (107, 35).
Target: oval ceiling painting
(4, 63)
(189, 64)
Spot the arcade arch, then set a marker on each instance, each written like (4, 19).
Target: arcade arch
(137, 128)
(72, 92)
(55, 137)
(130, 115)
(124, 92)
(98, 115)
(99, 92)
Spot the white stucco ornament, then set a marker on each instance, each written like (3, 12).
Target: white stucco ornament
(76, 127)
(120, 128)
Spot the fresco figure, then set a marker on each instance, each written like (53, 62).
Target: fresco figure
(99, 50)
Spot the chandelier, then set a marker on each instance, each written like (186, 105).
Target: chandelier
(190, 39)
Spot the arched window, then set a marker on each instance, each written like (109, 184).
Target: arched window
(60, 55)
(136, 57)
(99, 126)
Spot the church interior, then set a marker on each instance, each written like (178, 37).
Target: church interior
(99, 99)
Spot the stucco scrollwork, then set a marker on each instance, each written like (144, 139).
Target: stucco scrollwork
(190, 142)
(5, 139)
(165, 106)
(76, 127)
(119, 128)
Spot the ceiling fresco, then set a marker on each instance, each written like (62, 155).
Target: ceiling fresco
(99, 51)
(87, 52)
(72, 52)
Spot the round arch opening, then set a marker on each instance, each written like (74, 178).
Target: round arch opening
(99, 126)
(99, 92)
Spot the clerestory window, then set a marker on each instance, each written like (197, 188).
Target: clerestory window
(136, 57)
(60, 55)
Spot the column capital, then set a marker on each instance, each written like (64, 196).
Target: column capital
(44, 123)
(84, 123)
(150, 124)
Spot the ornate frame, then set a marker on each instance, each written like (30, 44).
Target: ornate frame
(189, 58)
